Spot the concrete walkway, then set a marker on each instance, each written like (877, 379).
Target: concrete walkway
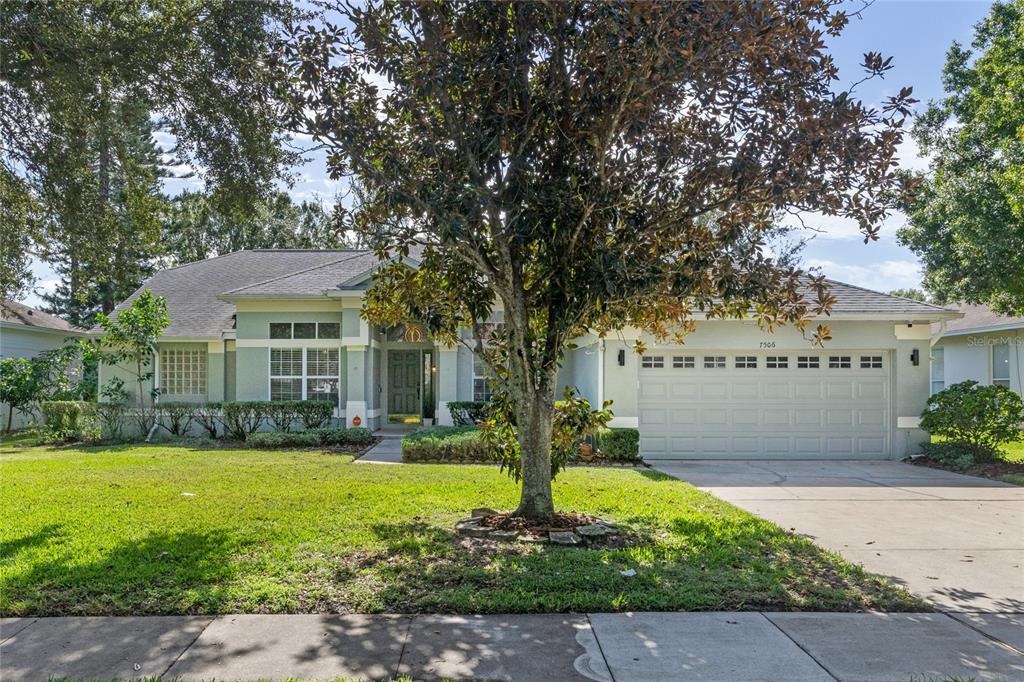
(387, 451)
(601, 646)
(958, 541)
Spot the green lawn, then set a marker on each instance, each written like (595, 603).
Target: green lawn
(176, 529)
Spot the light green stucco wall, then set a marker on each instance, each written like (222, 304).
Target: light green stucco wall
(257, 325)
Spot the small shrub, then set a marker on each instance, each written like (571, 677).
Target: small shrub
(315, 414)
(282, 413)
(177, 417)
(949, 454)
(69, 420)
(357, 436)
(617, 444)
(242, 417)
(982, 417)
(207, 415)
(469, 412)
(282, 439)
(446, 444)
(110, 417)
(146, 417)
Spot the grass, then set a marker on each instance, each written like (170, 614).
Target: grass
(166, 529)
(1007, 466)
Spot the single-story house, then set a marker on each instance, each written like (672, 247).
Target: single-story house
(25, 333)
(982, 346)
(285, 324)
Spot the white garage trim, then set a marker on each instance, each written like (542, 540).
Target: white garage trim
(709, 404)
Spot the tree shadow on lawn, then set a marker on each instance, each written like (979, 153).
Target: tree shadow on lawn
(728, 564)
(164, 573)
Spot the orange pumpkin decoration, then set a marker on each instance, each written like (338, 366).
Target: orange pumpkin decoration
(357, 420)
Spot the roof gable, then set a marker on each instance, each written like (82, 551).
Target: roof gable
(12, 312)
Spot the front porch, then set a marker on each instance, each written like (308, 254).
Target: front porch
(402, 379)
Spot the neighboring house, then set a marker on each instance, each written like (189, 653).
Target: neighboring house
(25, 333)
(982, 346)
(279, 324)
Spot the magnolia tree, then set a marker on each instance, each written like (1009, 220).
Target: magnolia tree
(589, 166)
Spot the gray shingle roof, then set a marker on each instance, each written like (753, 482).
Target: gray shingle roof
(195, 292)
(852, 299)
(312, 281)
(13, 312)
(980, 317)
(192, 290)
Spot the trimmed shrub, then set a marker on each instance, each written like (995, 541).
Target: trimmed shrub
(69, 420)
(242, 417)
(469, 412)
(980, 417)
(207, 415)
(953, 455)
(617, 444)
(177, 417)
(357, 435)
(446, 444)
(315, 414)
(282, 439)
(282, 413)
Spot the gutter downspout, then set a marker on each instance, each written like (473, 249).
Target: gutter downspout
(937, 336)
(156, 394)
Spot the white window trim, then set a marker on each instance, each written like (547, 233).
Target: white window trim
(305, 376)
(482, 375)
(998, 381)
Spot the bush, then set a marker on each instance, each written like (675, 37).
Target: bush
(981, 417)
(469, 412)
(356, 435)
(207, 415)
(242, 417)
(110, 417)
(282, 439)
(69, 420)
(953, 455)
(620, 445)
(177, 417)
(315, 414)
(446, 444)
(282, 413)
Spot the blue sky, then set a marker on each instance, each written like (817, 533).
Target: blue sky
(915, 33)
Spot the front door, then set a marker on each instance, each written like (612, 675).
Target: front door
(404, 382)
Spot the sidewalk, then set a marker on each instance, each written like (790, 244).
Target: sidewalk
(603, 646)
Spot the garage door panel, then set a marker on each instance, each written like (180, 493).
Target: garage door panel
(745, 391)
(684, 389)
(745, 417)
(653, 388)
(713, 390)
(685, 417)
(765, 411)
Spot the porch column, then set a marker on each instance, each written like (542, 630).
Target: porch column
(447, 382)
(355, 390)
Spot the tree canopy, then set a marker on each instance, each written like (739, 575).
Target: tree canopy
(967, 223)
(589, 166)
(71, 74)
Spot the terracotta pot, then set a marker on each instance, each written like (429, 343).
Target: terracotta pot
(586, 452)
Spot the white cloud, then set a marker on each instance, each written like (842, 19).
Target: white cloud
(835, 228)
(884, 276)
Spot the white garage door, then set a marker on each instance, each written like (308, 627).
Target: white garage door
(697, 405)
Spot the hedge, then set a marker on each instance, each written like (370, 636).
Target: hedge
(468, 412)
(67, 420)
(242, 417)
(356, 436)
(457, 444)
(618, 444)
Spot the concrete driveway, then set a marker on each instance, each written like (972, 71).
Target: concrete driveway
(957, 541)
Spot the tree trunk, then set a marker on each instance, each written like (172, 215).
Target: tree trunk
(534, 426)
(10, 418)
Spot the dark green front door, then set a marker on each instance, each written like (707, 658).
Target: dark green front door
(404, 382)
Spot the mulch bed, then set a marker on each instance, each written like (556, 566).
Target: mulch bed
(994, 470)
(516, 523)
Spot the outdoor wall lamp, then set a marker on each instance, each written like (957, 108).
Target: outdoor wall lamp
(622, 358)
(915, 357)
